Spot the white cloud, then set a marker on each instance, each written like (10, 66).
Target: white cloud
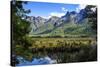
(93, 9)
(58, 14)
(64, 9)
(46, 17)
(82, 6)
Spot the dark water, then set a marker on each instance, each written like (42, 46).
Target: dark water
(62, 55)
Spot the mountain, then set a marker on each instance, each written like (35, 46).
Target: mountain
(81, 15)
(35, 22)
(70, 17)
(72, 23)
(53, 19)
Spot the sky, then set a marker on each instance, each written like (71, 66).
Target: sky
(47, 10)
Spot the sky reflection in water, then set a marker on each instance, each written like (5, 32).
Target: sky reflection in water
(35, 61)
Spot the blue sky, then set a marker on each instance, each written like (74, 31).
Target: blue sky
(50, 9)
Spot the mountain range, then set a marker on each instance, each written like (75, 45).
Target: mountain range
(72, 23)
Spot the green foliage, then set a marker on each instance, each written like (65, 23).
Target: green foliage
(19, 27)
(19, 24)
(72, 49)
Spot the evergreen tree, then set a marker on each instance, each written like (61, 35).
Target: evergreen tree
(19, 28)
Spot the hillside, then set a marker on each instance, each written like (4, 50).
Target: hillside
(71, 24)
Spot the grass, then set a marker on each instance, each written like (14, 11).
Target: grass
(57, 42)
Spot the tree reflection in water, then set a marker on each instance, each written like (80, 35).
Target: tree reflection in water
(62, 55)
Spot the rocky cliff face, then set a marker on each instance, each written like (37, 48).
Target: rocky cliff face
(69, 20)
